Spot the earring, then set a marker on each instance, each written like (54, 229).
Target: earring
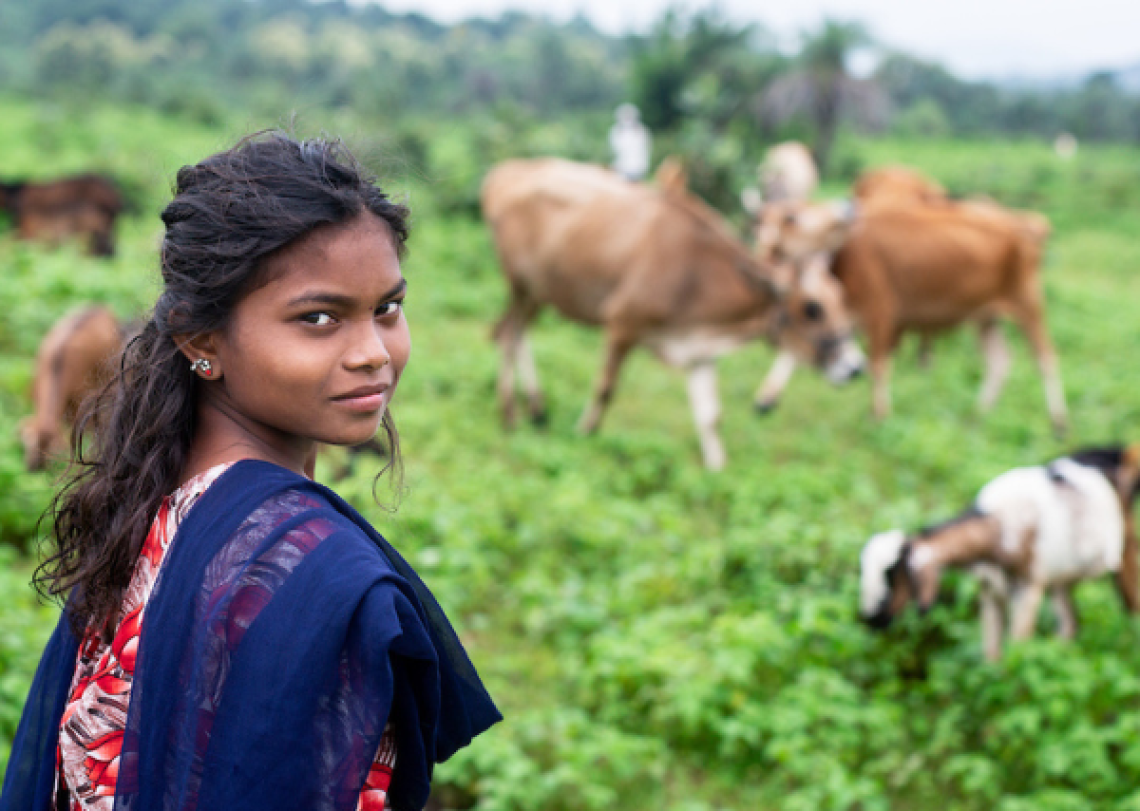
(203, 367)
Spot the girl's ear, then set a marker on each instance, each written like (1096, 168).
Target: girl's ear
(201, 353)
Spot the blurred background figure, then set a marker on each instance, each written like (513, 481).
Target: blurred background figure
(1065, 145)
(630, 142)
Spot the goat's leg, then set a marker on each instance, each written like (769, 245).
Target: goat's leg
(1127, 575)
(997, 359)
(1026, 605)
(1065, 610)
(524, 362)
(993, 623)
(768, 395)
(705, 402)
(617, 347)
(1030, 314)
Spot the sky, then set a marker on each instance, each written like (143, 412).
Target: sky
(1002, 39)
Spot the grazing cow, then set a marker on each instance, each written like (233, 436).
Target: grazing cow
(911, 267)
(655, 269)
(1031, 531)
(75, 359)
(84, 206)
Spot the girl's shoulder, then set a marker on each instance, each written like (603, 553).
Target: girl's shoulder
(262, 523)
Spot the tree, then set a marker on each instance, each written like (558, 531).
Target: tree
(820, 87)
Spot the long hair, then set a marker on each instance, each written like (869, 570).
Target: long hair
(229, 214)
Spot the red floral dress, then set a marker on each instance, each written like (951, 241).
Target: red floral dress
(91, 732)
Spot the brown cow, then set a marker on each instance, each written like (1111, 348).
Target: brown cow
(671, 177)
(897, 183)
(84, 206)
(653, 269)
(74, 360)
(902, 185)
(910, 267)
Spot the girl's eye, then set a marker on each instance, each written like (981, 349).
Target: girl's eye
(389, 308)
(318, 319)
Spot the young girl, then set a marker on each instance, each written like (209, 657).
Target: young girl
(236, 635)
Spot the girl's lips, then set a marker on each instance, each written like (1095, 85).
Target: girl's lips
(363, 403)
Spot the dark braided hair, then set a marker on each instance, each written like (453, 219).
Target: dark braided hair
(229, 214)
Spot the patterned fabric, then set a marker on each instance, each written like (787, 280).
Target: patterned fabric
(91, 731)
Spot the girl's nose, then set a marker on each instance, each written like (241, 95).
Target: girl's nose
(369, 350)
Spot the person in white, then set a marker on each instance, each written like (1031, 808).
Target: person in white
(630, 142)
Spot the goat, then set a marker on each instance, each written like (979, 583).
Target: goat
(1031, 531)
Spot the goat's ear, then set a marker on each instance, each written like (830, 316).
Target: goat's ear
(752, 200)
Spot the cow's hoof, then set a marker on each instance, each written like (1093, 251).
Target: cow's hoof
(540, 419)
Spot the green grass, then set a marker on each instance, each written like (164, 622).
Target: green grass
(662, 636)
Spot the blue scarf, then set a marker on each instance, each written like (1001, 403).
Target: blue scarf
(282, 634)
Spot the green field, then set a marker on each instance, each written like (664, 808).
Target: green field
(659, 636)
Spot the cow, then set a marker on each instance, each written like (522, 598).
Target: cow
(788, 173)
(75, 359)
(652, 269)
(671, 177)
(1031, 531)
(897, 183)
(901, 185)
(84, 206)
(904, 185)
(910, 267)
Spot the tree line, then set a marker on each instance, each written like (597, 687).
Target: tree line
(696, 76)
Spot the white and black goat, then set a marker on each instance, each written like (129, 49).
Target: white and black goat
(1031, 531)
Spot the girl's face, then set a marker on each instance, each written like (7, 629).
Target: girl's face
(316, 353)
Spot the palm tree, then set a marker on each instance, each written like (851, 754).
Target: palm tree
(820, 87)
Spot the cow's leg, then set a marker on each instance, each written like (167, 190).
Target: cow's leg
(925, 350)
(1066, 612)
(768, 395)
(524, 362)
(1026, 605)
(1030, 316)
(997, 359)
(705, 402)
(883, 338)
(509, 334)
(617, 347)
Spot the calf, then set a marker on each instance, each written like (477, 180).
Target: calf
(75, 359)
(1032, 531)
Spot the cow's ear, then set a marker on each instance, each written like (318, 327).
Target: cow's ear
(752, 200)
